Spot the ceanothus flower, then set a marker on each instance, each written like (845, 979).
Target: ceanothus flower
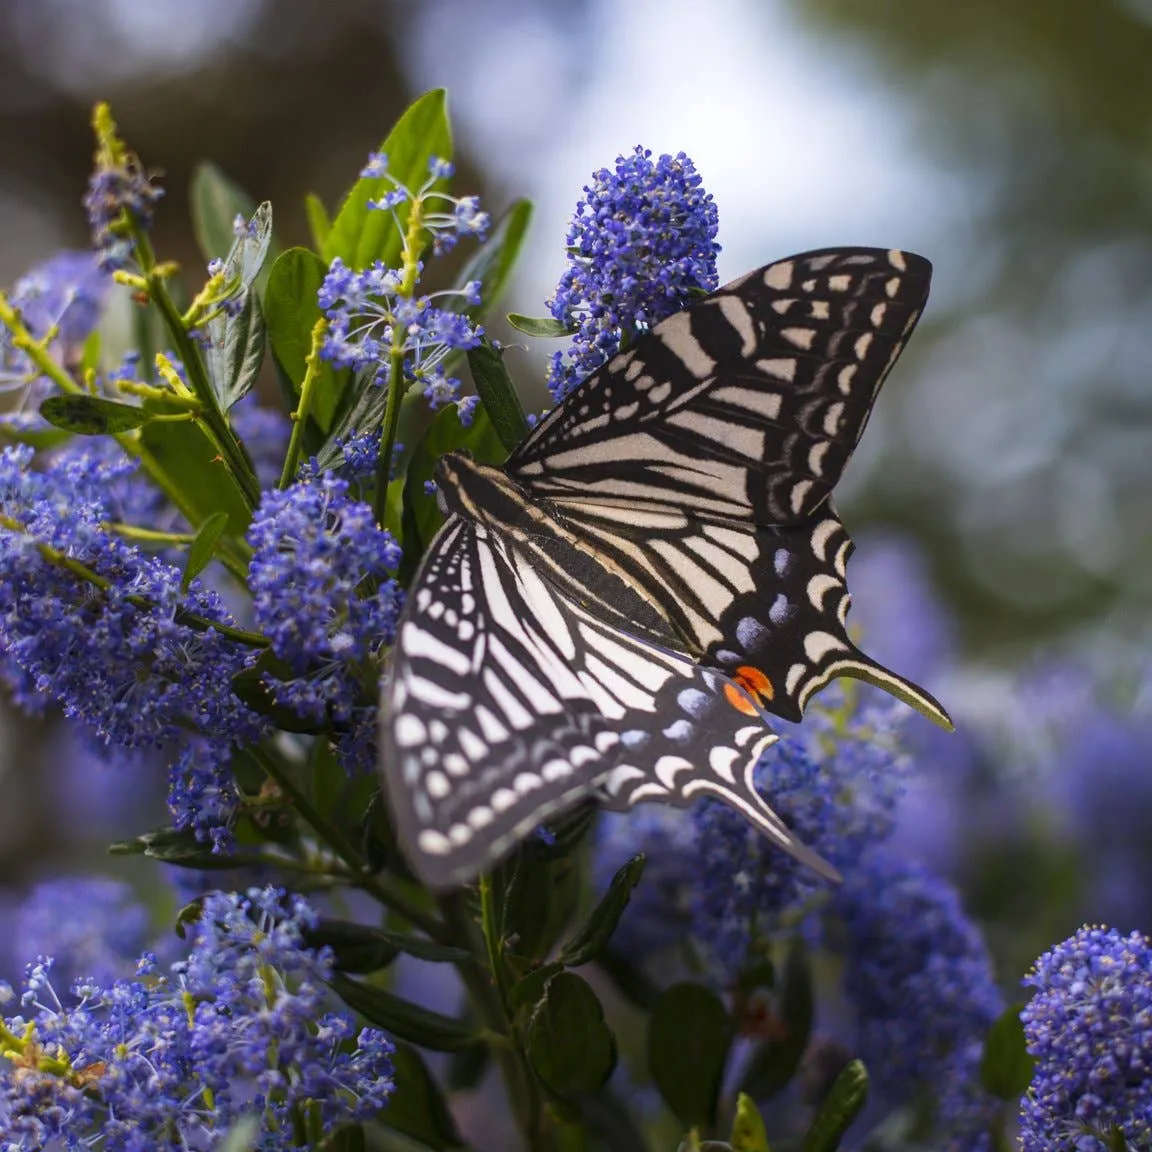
(374, 317)
(63, 294)
(376, 321)
(119, 191)
(322, 594)
(92, 926)
(1089, 1027)
(919, 976)
(642, 241)
(835, 786)
(100, 627)
(172, 1059)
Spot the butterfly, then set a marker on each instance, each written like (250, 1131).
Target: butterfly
(655, 572)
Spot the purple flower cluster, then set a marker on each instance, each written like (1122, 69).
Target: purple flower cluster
(92, 927)
(119, 194)
(836, 790)
(377, 322)
(323, 596)
(125, 651)
(374, 320)
(642, 240)
(1089, 1027)
(240, 1027)
(920, 979)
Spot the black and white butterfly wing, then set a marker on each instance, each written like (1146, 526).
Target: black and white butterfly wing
(747, 404)
(766, 606)
(506, 702)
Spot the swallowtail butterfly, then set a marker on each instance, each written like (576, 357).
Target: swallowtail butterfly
(656, 570)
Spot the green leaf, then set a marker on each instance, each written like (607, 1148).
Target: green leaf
(408, 1021)
(773, 1065)
(493, 261)
(291, 309)
(250, 249)
(597, 930)
(241, 1136)
(688, 1040)
(841, 1106)
(235, 352)
(360, 948)
(540, 896)
(346, 1138)
(446, 434)
(1006, 1068)
(540, 325)
(203, 547)
(201, 483)
(215, 202)
(467, 1067)
(748, 1133)
(39, 437)
(318, 222)
(569, 1045)
(360, 235)
(93, 415)
(527, 993)
(417, 1106)
(173, 846)
(498, 394)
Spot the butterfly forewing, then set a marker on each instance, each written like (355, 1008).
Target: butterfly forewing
(747, 404)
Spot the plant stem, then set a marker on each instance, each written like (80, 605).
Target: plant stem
(300, 416)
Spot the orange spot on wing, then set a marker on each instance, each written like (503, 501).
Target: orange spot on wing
(738, 700)
(756, 682)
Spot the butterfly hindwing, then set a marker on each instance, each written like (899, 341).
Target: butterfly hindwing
(506, 702)
(767, 606)
(747, 404)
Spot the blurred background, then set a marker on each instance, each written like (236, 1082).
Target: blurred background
(1001, 496)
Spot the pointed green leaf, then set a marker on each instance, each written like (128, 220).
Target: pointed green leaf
(529, 990)
(215, 202)
(544, 326)
(291, 311)
(498, 394)
(318, 222)
(360, 235)
(773, 1064)
(203, 547)
(249, 250)
(173, 846)
(1006, 1068)
(748, 1133)
(597, 930)
(417, 1106)
(842, 1105)
(567, 1041)
(688, 1040)
(408, 1021)
(361, 949)
(493, 261)
(202, 484)
(93, 415)
(235, 352)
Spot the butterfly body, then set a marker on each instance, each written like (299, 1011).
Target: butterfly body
(656, 569)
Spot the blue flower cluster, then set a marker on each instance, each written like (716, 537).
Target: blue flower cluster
(118, 193)
(642, 240)
(377, 322)
(372, 322)
(120, 646)
(836, 790)
(92, 926)
(322, 594)
(174, 1059)
(62, 295)
(920, 978)
(1089, 1026)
